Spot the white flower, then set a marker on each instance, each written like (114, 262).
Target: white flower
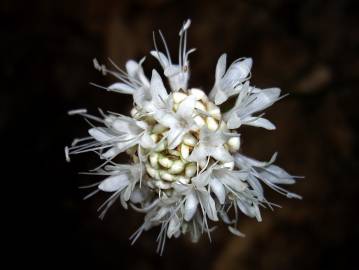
(211, 144)
(249, 101)
(177, 74)
(185, 170)
(179, 122)
(118, 134)
(228, 83)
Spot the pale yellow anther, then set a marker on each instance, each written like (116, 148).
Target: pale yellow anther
(177, 167)
(189, 139)
(233, 144)
(165, 161)
(178, 97)
(184, 149)
(212, 124)
(191, 170)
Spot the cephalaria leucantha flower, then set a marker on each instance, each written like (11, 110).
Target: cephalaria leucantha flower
(185, 170)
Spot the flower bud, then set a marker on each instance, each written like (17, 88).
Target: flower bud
(184, 151)
(198, 93)
(166, 176)
(199, 120)
(178, 97)
(189, 139)
(233, 144)
(212, 124)
(152, 172)
(177, 167)
(154, 160)
(165, 161)
(190, 170)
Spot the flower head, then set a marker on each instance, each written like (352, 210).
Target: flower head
(185, 170)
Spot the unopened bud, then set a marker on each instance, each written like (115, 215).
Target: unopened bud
(191, 170)
(177, 167)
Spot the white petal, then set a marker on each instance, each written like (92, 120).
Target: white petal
(220, 97)
(113, 151)
(199, 153)
(221, 154)
(174, 137)
(132, 68)
(239, 70)
(100, 134)
(137, 196)
(218, 189)
(186, 107)
(174, 226)
(146, 141)
(234, 121)
(277, 175)
(202, 179)
(190, 206)
(158, 90)
(114, 183)
(221, 66)
(236, 231)
(258, 122)
(161, 58)
(262, 100)
(209, 205)
(121, 88)
(249, 210)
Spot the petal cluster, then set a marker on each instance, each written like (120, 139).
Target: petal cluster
(185, 170)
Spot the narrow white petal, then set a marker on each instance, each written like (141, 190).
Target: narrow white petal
(121, 88)
(221, 67)
(221, 154)
(218, 189)
(190, 206)
(262, 100)
(199, 153)
(161, 58)
(258, 122)
(158, 90)
(100, 134)
(174, 226)
(234, 121)
(186, 107)
(236, 231)
(209, 206)
(146, 141)
(114, 183)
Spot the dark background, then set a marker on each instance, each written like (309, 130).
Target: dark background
(307, 48)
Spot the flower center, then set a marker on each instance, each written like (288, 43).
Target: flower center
(168, 166)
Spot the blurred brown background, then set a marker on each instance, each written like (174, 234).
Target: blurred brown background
(307, 48)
